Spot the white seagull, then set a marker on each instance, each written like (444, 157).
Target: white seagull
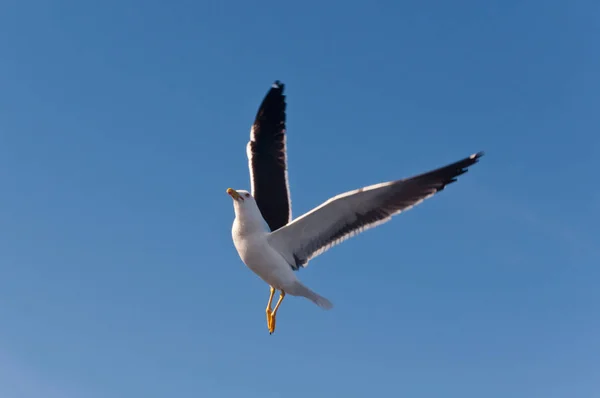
(272, 245)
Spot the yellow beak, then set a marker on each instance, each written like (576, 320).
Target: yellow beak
(233, 193)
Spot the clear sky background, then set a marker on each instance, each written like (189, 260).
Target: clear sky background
(122, 123)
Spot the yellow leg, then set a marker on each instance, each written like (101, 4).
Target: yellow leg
(268, 310)
(274, 313)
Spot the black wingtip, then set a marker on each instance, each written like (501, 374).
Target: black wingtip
(273, 101)
(278, 84)
(467, 162)
(471, 160)
(477, 155)
(449, 174)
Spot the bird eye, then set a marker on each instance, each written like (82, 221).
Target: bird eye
(247, 195)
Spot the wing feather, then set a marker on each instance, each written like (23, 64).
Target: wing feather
(267, 159)
(351, 213)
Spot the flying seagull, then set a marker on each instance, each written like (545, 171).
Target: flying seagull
(272, 245)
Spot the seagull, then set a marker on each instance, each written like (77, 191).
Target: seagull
(274, 246)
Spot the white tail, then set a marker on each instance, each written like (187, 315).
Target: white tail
(300, 290)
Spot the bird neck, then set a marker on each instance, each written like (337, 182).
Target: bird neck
(248, 221)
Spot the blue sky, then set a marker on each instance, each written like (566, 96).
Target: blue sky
(123, 122)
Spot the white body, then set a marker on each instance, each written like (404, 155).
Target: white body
(250, 235)
(260, 257)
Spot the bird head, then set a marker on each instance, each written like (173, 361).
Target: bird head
(244, 204)
(240, 195)
(242, 200)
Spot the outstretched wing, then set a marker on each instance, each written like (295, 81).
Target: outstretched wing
(267, 159)
(350, 213)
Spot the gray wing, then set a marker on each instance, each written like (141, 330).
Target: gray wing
(267, 159)
(350, 213)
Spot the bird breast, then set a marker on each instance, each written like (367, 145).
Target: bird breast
(256, 253)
